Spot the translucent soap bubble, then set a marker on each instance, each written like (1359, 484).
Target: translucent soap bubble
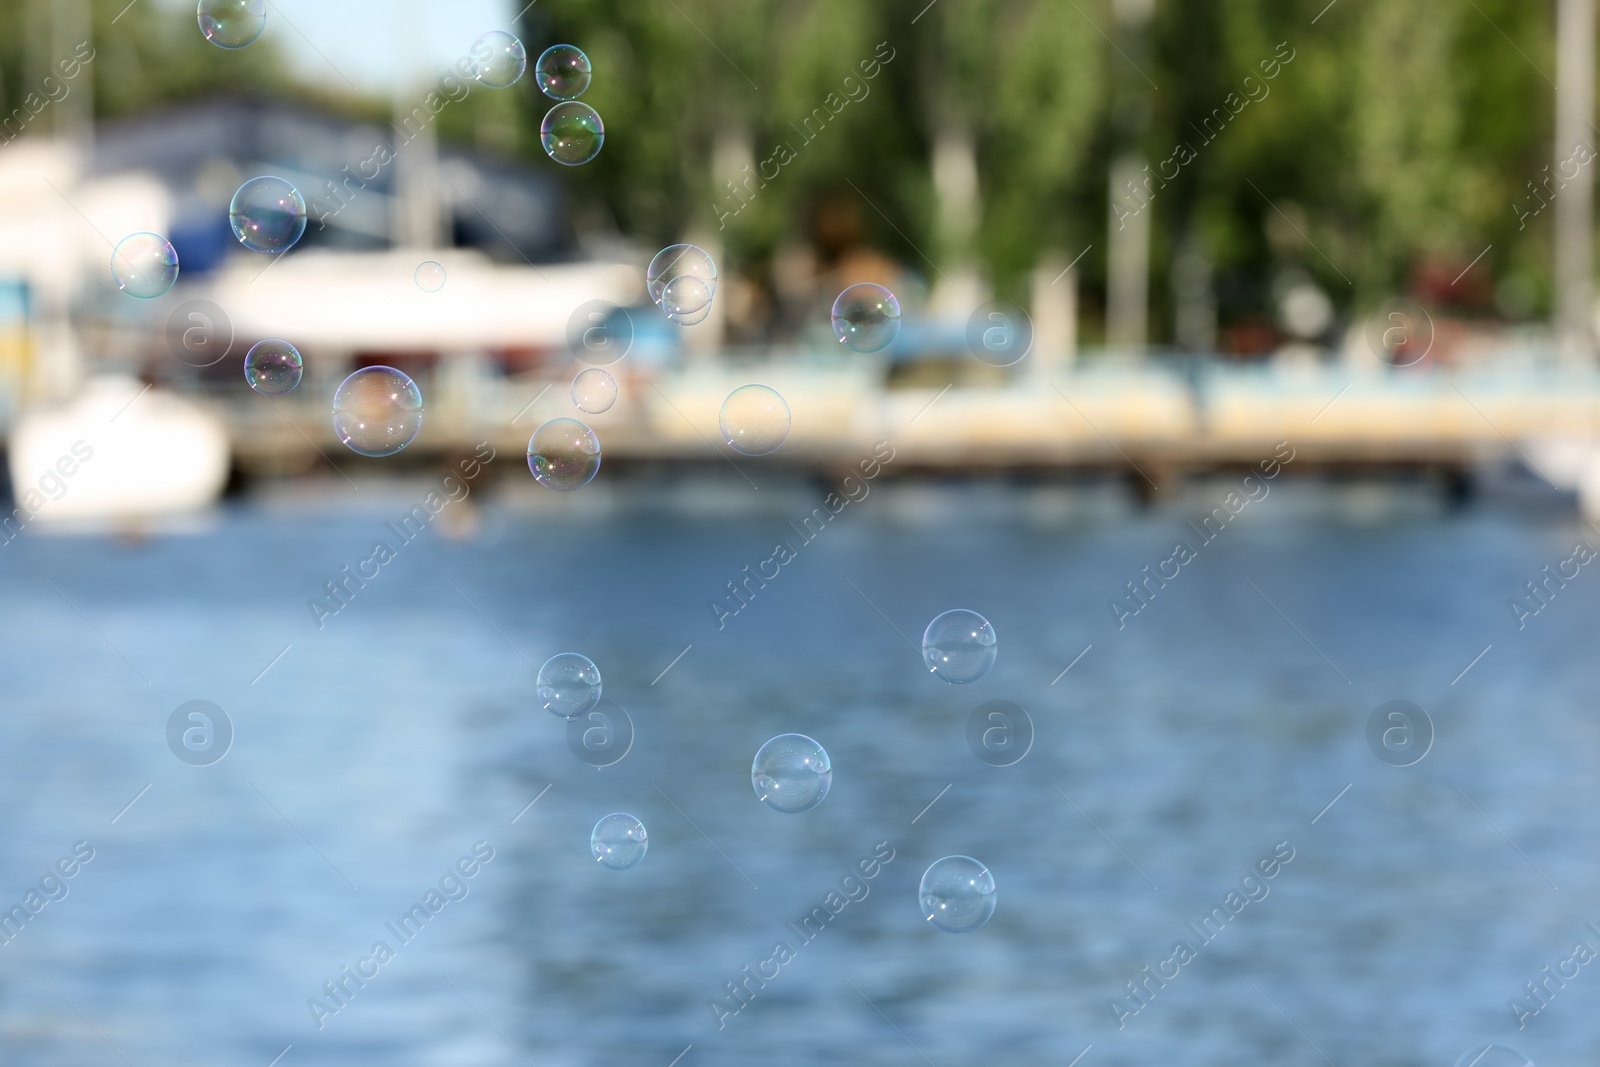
(866, 317)
(564, 454)
(572, 133)
(430, 276)
(144, 265)
(619, 841)
(377, 411)
(267, 214)
(231, 23)
(754, 420)
(684, 295)
(791, 774)
(498, 59)
(679, 261)
(1493, 1056)
(594, 391)
(959, 646)
(273, 367)
(957, 894)
(563, 72)
(568, 685)
(692, 318)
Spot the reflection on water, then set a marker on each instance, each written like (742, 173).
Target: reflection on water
(312, 889)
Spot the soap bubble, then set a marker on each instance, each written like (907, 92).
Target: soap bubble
(791, 774)
(866, 317)
(273, 367)
(957, 894)
(619, 841)
(684, 295)
(572, 133)
(569, 684)
(594, 391)
(563, 72)
(377, 411)
(692, 318)
(564, 454)
(231, 23)
(144, 265)
(959, 646)
(754, 420)
(679, 261)
(1493, 1056)
(267, 215)
(430, 276)
(498, 59)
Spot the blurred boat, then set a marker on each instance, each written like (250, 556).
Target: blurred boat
(119, 452)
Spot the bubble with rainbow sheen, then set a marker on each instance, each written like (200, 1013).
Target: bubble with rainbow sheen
(754, 420)
(377, 411)
(498, 59)
(564, 454)
(144, 265)
(568, 684)
(231, 23)
(572, 133)
(619, 841)
(679, 261)
(268, 214)
(563, 72)
(866, 317)
(959, 646)
(273, 367)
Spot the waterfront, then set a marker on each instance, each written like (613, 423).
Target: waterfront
(1175, 752)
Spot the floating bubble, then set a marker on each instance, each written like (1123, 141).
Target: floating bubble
(564, 454)
(231, 23)
(1493, 1056)
(957, 894)
(430, 276)
(569, 684)
(959, 646)
(684, 295)
(563, 72)
(572, 133)
(594, 391)
(791, 774)
(679, 261)
(498, 59)
(144, 265)
(267, 215)
(273, 367)
(377, 411)
(754, 420)
(619, 841)
(866, 317)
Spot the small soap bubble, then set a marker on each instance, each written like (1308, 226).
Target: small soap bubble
(563, 72)
(791, 774)
(568, 685)
(754, 420)
(679, 261)
(430, 276)
(572, 133)
(619, 841)
(231, 23)
(866, 317)
(692, 318)
(684, 295)
(564, 454)
(957, 894)
(267, 215)
(498, 59)
(959, 646)
(273, 367)
(594, 391)
(144, 265)
(1493, 1056)
(377, 411)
